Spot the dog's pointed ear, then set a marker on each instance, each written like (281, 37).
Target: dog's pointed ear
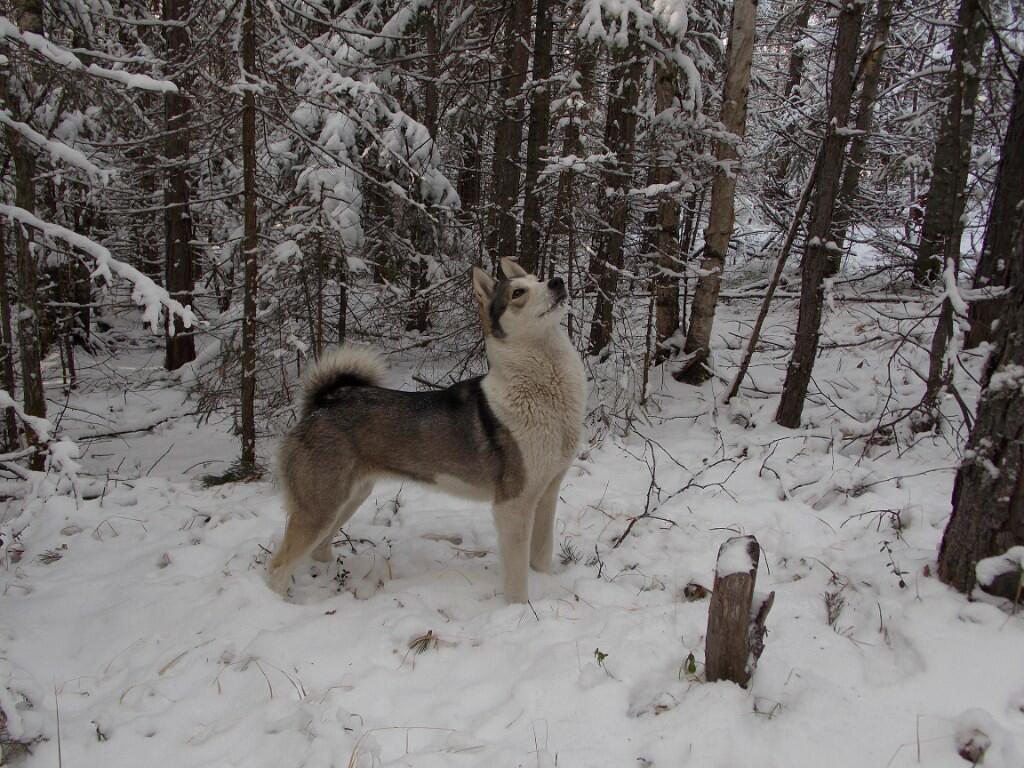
(511, 269)
(483, 286)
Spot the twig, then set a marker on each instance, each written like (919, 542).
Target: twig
(56, 706)
(159, 459)
(780, 264)
(426, 383)
(147, 428)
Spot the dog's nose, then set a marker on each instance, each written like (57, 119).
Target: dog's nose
(556, 284)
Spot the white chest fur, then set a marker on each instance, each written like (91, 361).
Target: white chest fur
(539, 392)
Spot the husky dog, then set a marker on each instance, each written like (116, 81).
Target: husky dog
(507, 437)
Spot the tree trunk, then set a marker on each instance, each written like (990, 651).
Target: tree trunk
(66, 323)
(988, 494)
(943, 219)
(469, 173)
(424, 235)
(943, 225)
(508, 133)
(794, 78)
(7, 347)
(537, 139)
(993, 268)
(796, 53)
(564, 223)
(342, 278)
(28, 310)
(721, 216)
(250, 242)
(773, 282)
(616, 178)
(178, 255)
(820, 237)
(664, 227)
(870, 78)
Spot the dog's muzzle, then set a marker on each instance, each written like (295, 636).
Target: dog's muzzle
(557, 288)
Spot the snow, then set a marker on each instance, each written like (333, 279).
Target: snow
(57, 149)
(953, 289)
(1008, 377)
(991, 568)
(734, 557)
(42, 428)
(139, 607)
(65, 58)
(145, 293)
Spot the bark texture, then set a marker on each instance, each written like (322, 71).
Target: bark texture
(795, 76)
(619, 142)
(663, 230)
(508, 133)
(871, 75)
(942, 229)
(250, 244)
(578, 112)
(994, 266)
(29, 14)
(735, 636)
(537, 139)
(721, 216)
(943, 224)
(7, 347)
(422, 224)
(178, 250)
(988, 494)
(820, 236)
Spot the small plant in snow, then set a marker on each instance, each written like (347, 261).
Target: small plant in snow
(51, 555)
(568, 553)
(690, 664)
(236, 473)
(834, 602)
(341, 577)
(894, 567)
(422, 643)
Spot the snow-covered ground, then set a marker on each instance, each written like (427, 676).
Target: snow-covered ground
(138, 626)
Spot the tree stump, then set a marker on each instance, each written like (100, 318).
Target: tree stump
(735, 636)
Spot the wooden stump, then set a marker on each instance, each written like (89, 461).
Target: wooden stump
(735, 636)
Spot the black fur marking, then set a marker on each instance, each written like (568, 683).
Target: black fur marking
(488, 420)
(499, 303)
(323, 395)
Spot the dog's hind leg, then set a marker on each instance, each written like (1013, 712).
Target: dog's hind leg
(322, 553)
(513, 520)
(310, 520)
(543, 534)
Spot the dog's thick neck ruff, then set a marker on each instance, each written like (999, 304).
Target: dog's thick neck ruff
(538, 389)
(536, 381)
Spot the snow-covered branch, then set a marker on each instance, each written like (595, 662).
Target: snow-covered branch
(57, 149)
(62, 57)
(147, 294)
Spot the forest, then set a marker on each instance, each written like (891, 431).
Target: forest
(792, 237)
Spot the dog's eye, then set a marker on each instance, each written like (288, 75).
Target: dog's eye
(518, 292)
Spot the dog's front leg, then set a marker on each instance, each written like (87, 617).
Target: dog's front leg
(543, 535)
(514, 519)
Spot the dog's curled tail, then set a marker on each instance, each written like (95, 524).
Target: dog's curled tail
(345, 366)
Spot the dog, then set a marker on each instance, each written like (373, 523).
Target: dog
(507, 437)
